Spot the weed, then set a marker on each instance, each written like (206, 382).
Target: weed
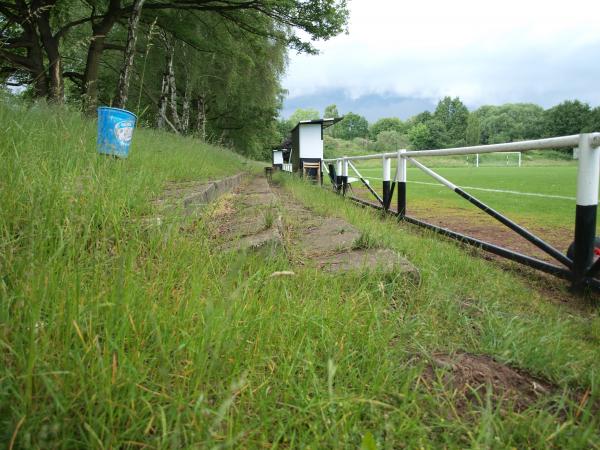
(114, 334)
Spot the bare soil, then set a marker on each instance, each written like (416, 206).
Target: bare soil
(475, 378)
(472, 222)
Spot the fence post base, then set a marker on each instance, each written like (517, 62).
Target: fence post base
(386, 195)
(585, 212)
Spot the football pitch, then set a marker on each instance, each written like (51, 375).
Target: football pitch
(543, 196)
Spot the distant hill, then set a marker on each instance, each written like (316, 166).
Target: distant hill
(372, 106)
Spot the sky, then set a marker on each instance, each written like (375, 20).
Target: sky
(400, 57)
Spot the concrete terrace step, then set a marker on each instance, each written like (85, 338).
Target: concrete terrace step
(257, 215)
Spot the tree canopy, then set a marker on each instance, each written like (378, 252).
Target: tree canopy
(217, 61)
(386, 124)
(352, 126)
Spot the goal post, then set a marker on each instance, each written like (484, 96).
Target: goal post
(505, 159)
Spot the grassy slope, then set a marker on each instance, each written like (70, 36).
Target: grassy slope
(118, 333)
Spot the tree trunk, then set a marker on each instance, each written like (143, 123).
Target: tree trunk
(56, 93)
(185, 113)
(92, 64)
(162, 103)
(124, 77)
(201, 118)
(90, 75)
(172, 86)
(38, 72)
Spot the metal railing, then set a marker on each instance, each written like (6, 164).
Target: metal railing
(580, 269)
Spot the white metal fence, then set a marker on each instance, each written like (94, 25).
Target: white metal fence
(581, 267)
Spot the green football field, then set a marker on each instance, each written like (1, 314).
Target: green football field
(539, 195)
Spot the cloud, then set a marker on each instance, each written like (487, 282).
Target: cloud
(483, 52)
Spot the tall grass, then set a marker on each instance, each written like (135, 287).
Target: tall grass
(118, 332)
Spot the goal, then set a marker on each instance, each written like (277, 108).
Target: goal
(507, 159)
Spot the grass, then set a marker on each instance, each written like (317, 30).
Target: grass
(533, 210)
(514, 323)
(118, 334)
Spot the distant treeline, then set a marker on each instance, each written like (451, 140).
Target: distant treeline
(453, 125)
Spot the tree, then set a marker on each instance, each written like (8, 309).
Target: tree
(438, 134)
(331, 112)
(419, 137)
(125, 75)
(391, 140)
(568, 117)
(423, 117)
(303, 114)
(510, 122)
(453, 115)
(473, 132)
(387, 124)
(27, 23)
(352, 126)
(594, 120)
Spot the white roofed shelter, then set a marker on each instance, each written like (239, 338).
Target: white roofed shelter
(277, 158)
(307, 146)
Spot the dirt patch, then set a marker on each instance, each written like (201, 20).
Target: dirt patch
(473, 377)
(487, 229)
(474, 223)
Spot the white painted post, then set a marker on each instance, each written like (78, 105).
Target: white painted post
(477, 160)
(401, 172)
(344, 175)
(338, 175)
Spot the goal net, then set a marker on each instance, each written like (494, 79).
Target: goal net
(508, 159)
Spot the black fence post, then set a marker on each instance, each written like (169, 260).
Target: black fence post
(387, 169)
(401, 185)
(588, 174)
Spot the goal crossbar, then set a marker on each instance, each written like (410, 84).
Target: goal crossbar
(519, 158)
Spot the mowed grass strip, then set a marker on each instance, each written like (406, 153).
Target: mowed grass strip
(120, 332)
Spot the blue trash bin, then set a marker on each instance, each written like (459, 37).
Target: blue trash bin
(115, 131)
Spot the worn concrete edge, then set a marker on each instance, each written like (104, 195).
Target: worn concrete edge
(213, 190)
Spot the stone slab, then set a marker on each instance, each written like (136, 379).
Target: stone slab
(382, 260)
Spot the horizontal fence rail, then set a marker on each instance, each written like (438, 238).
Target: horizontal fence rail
(580, 269)
(521, 146)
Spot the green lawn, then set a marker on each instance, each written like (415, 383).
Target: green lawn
(541, 211)
(120, 332)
